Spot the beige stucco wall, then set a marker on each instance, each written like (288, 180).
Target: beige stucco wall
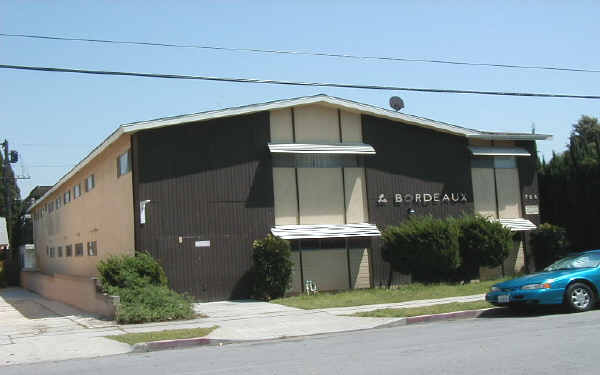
(281, 126)
(316, 124)
(359, 268)
(509, 195)
(104, 215)
(327, 268)
(320, 194)
(76, 291)
(321, 189)
(286, 206)
(484, 196)
(356, 199)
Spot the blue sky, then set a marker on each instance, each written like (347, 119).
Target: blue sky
(54, 120)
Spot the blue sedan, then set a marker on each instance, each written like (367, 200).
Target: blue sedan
(573, 281)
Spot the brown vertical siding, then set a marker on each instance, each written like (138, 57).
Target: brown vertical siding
(528, 179)
(207, 181)
(411, 159)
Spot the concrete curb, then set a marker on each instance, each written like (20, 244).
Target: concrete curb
(153, 346)
(446, 316)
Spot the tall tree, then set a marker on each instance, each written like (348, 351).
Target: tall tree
(569, 185)
(584, 142)
(7, 179)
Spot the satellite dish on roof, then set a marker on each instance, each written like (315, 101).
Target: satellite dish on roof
(396, 103)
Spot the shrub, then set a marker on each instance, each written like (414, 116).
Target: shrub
(425, 247)
(482, 243)
(153, 303)
(272, 267)
(141, 284)
(131, 271)
(549, 243)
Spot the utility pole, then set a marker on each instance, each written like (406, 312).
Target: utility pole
(6, 165)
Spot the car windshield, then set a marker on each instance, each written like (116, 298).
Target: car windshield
(577, 261)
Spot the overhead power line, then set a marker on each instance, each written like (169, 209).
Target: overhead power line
(50, 165)
(293, 83)
(306, 53)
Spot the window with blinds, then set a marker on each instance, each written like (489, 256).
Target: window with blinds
(496, 188)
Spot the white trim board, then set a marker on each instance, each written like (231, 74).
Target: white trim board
(312, 148)
(291, 232)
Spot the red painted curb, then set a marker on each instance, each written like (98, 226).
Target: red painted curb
(445, 316)
(177, 343)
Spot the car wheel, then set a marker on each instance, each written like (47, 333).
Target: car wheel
(580, 297)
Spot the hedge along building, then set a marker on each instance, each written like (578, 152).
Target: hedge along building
(326, 173)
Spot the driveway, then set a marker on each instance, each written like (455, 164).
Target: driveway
(33, 329)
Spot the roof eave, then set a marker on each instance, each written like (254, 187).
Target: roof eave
(92, 155)
(280, 104)
(510, 137)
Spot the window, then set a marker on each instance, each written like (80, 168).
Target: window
(496, 189)
(67, 197)
(47, 251)
(317, 160)
(76, 191)
(50, 207)
(78, 249)
(59, 252)
(124, 163)
(92, 248)
(89, 183)
(51, 252)
(57, 203)
(69, 250)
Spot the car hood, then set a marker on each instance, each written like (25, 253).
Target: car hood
(540, 277)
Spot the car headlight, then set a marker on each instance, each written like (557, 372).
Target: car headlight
(536, 286)
(494, 289)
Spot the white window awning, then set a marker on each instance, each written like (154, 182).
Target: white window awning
(498, 151)
(293, 232)
(516, 225)
(317, 148)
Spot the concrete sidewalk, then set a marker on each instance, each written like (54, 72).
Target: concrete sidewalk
(34, 329)
(403, 305)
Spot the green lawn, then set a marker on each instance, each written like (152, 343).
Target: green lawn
(426, 310)
(408, 292)
(134, 338)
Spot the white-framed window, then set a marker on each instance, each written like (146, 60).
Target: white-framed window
(78, 249)
(69, 250)
(76, 191)
(124, 163)
(51, 252)
(90, 183)
(92, 248)
(67, 196)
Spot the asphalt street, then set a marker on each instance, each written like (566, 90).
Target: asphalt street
(501, 343)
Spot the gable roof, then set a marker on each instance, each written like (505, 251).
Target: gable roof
(321, 99)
